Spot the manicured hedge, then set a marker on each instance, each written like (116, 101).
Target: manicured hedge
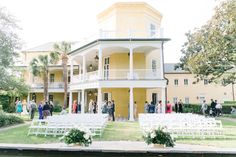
(6, 119)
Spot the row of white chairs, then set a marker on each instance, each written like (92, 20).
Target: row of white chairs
(60, 124)
(183, 125)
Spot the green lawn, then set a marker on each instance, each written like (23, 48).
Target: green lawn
(125, 131)
(117, 131)
(19, 135)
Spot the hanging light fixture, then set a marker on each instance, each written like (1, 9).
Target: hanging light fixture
(90, 93)
(91, 67)
(96, 58)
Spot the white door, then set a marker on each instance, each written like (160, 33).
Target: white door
(106, 68)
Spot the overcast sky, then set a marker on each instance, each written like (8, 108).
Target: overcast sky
(71, 20)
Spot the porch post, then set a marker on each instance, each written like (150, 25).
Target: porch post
(99, 103)
(28, 100)
(131, 104)
(100, 63)
(163, 99)
(80, 69)
(161, 62)
(71, 70)
(79, 98)
(131, 70)
(70, 102)
(82, 102)
(84, 67)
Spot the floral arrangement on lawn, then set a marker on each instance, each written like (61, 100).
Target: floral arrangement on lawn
(78, 136)
(158, 136)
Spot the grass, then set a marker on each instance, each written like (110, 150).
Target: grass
(120, 131)
(19, 135)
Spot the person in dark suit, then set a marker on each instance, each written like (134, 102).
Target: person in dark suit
(151, 108)
(180, 106)
(113, 110)
(176, 107)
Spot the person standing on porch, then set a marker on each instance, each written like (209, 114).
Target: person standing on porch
(146, 106)
(159, 107)
(113, 110)
(74, 107)
(90, 109)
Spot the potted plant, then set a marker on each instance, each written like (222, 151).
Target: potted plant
(158, 136)
(78, 136)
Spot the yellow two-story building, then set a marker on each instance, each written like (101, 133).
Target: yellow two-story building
(123, 62)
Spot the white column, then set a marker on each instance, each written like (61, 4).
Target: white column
(100, 63)
(82, 102)
(99, 103)
(131, 104)
(80, 69)
(161, 62)
(131, 68)
(84, 67)
(71, 70)
(163, 99)
(79, 98)
(70, 102)
(28, 99)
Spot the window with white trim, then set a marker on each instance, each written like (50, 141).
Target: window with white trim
(185, 81)
(152, 30)
(176, 82)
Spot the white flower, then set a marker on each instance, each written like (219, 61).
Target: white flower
(152, 135)
(86, 136)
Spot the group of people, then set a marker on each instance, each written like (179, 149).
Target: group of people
(76, 107)
(30, 108)
(214, 110)
(109, 107)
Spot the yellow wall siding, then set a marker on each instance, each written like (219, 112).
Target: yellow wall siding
(194, 91)
(58, 75)
(121, 98)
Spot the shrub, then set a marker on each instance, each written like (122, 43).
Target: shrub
(79, 136)
(57, 107)
(158, 136)
(6, 119)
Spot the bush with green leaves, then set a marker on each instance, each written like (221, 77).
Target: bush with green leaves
(6, 119)
(57, 107)
(81, 136)
(158, 136)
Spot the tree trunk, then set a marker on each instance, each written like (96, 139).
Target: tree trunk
(65, 77)
(45, 87)
(233, 91)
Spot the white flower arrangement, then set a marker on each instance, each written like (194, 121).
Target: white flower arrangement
(158, 136)
(78, 135)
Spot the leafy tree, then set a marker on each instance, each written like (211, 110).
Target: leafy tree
(210, 52)
(11, 85)
(64, 48)
(40, 67)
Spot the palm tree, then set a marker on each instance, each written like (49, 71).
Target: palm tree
(40, 67)
(64, 48)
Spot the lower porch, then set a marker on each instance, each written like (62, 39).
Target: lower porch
(129, 102)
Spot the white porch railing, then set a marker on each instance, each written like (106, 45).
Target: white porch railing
(118, 74)
(52, 85)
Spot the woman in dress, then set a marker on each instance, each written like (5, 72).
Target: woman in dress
(19, 107)
(24, 104)
(40, 110)
(168, 107)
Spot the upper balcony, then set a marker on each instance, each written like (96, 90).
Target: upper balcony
(51, 85)
(117, 74)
